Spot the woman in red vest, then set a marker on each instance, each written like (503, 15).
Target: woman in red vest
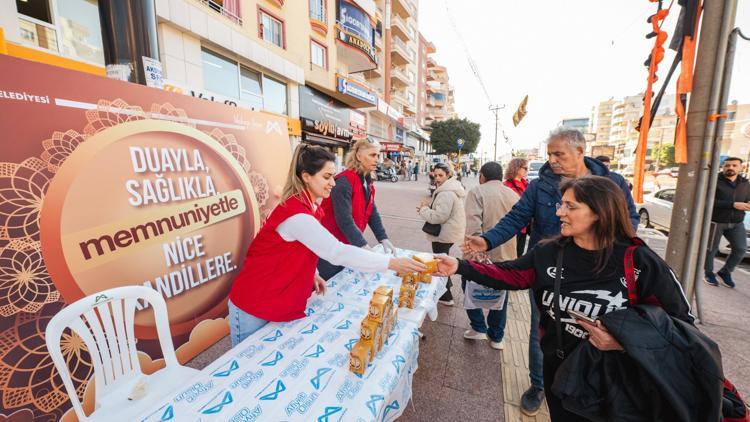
(351, 206)
(515, 178)
(279, 272)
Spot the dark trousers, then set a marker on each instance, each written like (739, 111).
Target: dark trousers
(737, 237)
(438, 247)
(520, 244)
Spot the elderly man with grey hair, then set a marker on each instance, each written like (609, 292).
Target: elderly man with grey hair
(538, 206)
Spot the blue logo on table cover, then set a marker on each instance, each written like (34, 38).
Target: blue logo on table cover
(316, 354)
(233, 366)
(340, 307)
(393, 406)
(329, 410)
(398, 362)
(310, 330)
(273, 337)
(227, 399)
(344, 325)
(371, 403)
(351, 344)
(364, 292)
(310, 311)
(315, 381)
(272, 362)
(280, 387)
(168, 414)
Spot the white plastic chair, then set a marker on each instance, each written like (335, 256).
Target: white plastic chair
(105, 322)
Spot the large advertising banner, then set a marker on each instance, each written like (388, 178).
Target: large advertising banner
(105, 184)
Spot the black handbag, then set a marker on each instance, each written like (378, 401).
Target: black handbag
(430, 228)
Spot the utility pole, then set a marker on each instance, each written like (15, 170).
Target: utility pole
(495, 109)
(690, 199)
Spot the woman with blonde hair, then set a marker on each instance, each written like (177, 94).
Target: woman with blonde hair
(515, 178)
(279, 272)
(351, 207)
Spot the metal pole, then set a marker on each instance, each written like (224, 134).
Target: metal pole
(701, 189)
(716, 155)
(495, 109)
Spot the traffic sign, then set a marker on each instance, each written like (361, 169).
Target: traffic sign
(460, 143)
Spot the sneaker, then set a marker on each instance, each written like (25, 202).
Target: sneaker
(727, 279)
(470, 334)
(497, 345)
(711, 279)
(531, 400)
(447, 302)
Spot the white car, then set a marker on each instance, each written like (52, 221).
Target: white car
(656, 209)
(533, 169)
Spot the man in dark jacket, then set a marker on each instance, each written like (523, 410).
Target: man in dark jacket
(538, 206)
(730, 204)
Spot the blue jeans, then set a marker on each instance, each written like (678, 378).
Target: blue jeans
(242, 324)
(536, 358)
(495, 319)
(737, 237)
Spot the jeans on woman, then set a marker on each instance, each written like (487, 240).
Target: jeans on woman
(536, 358)
(242, 324)
(438, 247)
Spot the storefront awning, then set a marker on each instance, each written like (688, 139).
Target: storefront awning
(324, 140)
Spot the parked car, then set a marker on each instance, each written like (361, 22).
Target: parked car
(533, 171)
(671, 172)
(656, 209)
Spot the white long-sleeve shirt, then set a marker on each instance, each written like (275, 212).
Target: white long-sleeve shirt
(307, 230)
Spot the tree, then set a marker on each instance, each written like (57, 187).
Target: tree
(663, 156)
(445, 133)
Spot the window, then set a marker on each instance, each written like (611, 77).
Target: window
(274, 95)
(410, 96)
(412, 78)
(251, 89)
(666, 195)
(318, 10)
(80, 30)
(220, 74)
(271, 29)
(318, 55)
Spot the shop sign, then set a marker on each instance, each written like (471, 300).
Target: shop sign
(399, 134)
(352, 89)
(152, 69)
(358, 125)
(355, 21)
(323, 115)
(357, 43)
(386, 109)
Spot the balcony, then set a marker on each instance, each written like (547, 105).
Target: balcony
(232, 15)
(374, 73)
(399, 52)
(399, 79)
(399, 97)
(318, 18)
(400, 29)
(404, 8)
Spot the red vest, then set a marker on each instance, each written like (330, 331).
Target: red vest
(277, 277)
(360, 211)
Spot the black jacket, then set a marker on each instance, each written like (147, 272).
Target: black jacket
(726, 196)
(670, 371)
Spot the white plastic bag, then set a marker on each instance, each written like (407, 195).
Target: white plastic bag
(477, 296)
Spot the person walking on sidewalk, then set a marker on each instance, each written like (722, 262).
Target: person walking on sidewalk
(566, 160)
(515, 178)
(446, 210)
(416, 171)
(351, 206)
(486, 204)
(590, 253)
(730, 205)
(279, 275)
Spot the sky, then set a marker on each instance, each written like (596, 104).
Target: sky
(565, 55)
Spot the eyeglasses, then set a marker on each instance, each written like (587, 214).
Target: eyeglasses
(565, 207)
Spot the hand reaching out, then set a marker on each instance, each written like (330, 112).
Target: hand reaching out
(447, 265)
(319, 284)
